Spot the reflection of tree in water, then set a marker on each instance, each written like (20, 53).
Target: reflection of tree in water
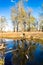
(31, 51)
(24, 53)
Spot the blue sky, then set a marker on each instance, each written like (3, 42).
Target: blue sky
(5, 6)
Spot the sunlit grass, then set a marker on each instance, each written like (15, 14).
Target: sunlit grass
(1, 61)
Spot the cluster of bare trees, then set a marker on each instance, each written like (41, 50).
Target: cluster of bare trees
(3, 23)
(22, 19)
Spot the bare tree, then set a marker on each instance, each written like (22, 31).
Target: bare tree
(2, 23)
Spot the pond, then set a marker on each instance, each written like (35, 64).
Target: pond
(38, 54)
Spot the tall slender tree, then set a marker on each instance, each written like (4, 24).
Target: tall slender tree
(18, 14)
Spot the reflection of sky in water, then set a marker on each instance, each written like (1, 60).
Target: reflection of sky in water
(38, 55)
(10, 44)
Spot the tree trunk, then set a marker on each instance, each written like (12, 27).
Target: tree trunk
(42, 28)
(17, 26)
(14, 25)
(29, 22)
(24, 26)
